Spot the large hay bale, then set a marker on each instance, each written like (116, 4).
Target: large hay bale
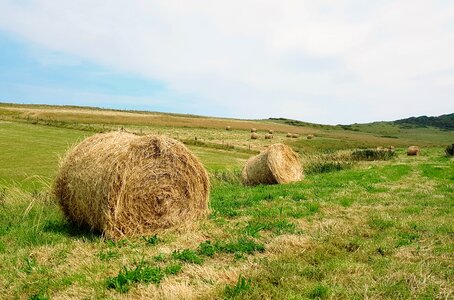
(268, 136)
(228, 128)
(277, 164)
(270, 131)
(254, 136)
(295, 135)
(253, 129)
(310, 136)
(125, 185)
(413, 150)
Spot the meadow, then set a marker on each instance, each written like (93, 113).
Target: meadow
(352, 229)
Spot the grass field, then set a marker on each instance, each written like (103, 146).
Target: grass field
(349, 230)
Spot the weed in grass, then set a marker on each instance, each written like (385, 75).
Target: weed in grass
(319, 291)
(242, 246)
(141, 273)
(278, 227)
(406, 238)
(160, 257)
(173, 269)
(108, 255)
(187, 255)
(207, 249)
(312, 207)
(30, 264)
(39, 296)
(379, 223)
(118, 244)
(241, 286)
(152, 240)
(298, 197)
(346, 202)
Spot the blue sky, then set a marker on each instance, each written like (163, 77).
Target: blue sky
(325, 62)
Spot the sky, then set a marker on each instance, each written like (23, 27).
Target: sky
(329, 62)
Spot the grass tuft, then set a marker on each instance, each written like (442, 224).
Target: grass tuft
(241, 286)
(141, 273)
(187, 255)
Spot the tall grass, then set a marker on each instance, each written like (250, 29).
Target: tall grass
(373, 154)
(326, 162)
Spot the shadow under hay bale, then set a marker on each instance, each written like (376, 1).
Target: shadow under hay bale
(277, 164)
(450, 150)
(413, 150)
(254, 136)
(126, 185)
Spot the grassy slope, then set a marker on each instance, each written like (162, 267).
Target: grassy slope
(212, 129)
(378, 230)
(29, 153)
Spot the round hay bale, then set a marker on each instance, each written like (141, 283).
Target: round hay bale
(268, 136)
(310, 136)
(277, 164)
(295, 135)
(289, 135)
(413, 150)
(228, 128)
(270, 131)
(253, 129)
(254, 136)
(125, 185)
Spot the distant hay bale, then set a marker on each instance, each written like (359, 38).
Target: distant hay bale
(254, 136)
(289, 135)
(253, 129)
(295, 135)
(277, 164)
(413, 150)
(380, 148)
(126, 185)
(310, 136)
(268, 136)
(270, 131)
(228, 128)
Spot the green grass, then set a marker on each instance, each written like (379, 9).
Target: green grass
(375, 229)
(141, 273)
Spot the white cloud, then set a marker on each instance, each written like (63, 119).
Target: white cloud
(321, 61)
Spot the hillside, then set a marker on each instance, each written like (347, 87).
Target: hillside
(444, 122)
(211, 131)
